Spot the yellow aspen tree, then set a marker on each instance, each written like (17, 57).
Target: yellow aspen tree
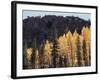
(81, 49)
(29, 53)
(86, 34)
(62, 42)
(29, 57)
(37, 59)
(62, 45)
(86, 45)
(69, 48)
(47, 53)
(74, 44)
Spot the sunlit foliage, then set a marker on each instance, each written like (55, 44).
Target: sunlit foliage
(71, 50)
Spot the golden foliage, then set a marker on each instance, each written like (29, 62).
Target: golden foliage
(47, 52)
(86, 34)
(29, 53)
(70, 46)
(47, 48)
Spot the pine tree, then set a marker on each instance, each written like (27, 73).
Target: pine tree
(25, 61)
(55, 49)
(85, 53)
(42, 54)
(79, 51)
(33, 52)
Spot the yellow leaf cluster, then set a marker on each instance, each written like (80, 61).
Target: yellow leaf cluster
(47, 48)
(86, 33)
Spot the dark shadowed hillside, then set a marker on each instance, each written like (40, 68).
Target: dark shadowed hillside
(43, 28)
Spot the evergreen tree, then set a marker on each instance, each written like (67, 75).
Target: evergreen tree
(79, 52)
(42, 54)
(55, 53)
(33, 53)
(55, 49)
(85, 53)
(25, 61)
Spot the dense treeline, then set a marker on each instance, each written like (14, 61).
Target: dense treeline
(42, 28)
(56, 41)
